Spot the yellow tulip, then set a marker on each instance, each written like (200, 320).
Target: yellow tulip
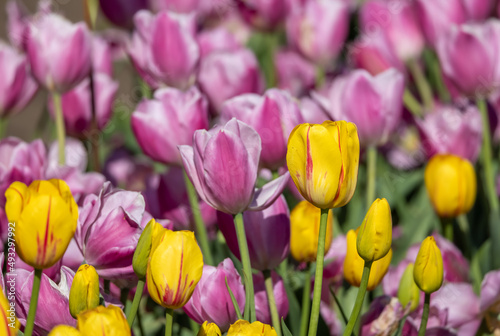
(103, 321)
(375, 233)
(354, 264)
(84, 293)
(304, 231)
(175, 267)
(141, 254)
(209, 329)
(64, 330)
(408, 292)
(451, 185)
(8, 321)
(245, 328)
(323, 162)
(45, 215)
(428, 270)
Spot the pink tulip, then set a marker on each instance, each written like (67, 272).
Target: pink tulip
(126, 171)
(479, 10)
(223, 165)
(384, 315)
(261, 301)
(17, 23)
(121, 12)
(102, 56)
(312, 112)
(177, 6)
(211, 300)
(294, 73)
(169, 120)
(265, 14)
(217, 39)
(490, 290)
(405, 150)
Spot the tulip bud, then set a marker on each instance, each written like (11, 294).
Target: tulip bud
(174, 268)
(451, 185)
(9, 324)
(323, 162)
(45, 214)
(245, 328)
(375, 234)
(353, 264)
(304, 231)
(84, 293)
(209, 329)
(428, 270)
(64, 330)
(143, 250)
(102, 320)
(408, 292)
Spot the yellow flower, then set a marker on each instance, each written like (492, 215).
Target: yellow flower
(64, 330)
(84, 293)
(175, 267)
(354, 264)
(375, 233)
(8, 321)
(103, 321)
(428, 270)
(209, 329)
(45, 215)
(451, 185)
(323, 162)
(141, 254)
(304, 231)
(245, 328)
(408, 292)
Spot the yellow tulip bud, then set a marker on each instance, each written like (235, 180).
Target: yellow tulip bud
(428, 270)
(45, 215)
(375, 233)
(323, 162)
(175, 267)
(354, 264)
(8, 321)
(141, 254)
(84, 292)
(304, 231)
(209, 329)
(245, 328)
(451, 185)
(64, 330)
(104, 321)
(408, 292)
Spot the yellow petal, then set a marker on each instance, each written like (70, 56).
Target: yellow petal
(9, 325)
(428, 269)
(84, 292)
(15, 196)
(103, 321)
(209, 329)
(64, 330)
(375, 235)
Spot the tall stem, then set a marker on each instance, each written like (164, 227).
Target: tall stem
(425, 315)
(318, 278)
(268, 282)
(412, 104)
(447, 228)
(372, 175)
(359, 299)
(169, 322)
(247, 268)
(3, 126)
(95, 135)
(30, 322)
(135, 304)
(201, 229)
(306, 302)
(423, 86)
(61, 132)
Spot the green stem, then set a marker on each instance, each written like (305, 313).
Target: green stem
(107, 286)
(139, 321)
(318, 278)
(425, 315)
(145, 89)
(435, 71)
(423, 86)
(169, 322)
(271, 71)
(320, 77)
(463, 224)
(412, 104)
(247, 268)
(306, 302)
(447, 228)
(201, 229)
(401, 325)
(30, 322)
(61, 132)
(268, 282)
(359, 299)
(94, 135)
(337, 301)
(275, 174)
(135, 304)
(3, 126)
(372, 175)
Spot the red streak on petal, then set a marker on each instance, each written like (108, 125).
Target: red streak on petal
(341, 178)
(47, 227)
(309, 161)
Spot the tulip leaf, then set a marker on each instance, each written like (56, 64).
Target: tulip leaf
(284, 328)
(233, 299)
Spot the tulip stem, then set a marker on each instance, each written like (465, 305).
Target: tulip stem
(94, 134)
(359, 299)
(425, 315)
(306, 302)
(201, 229)
(320, 77)
(169, 322)
(135, 304)
(247, 268)
(61, 132)
(412, 104)
(432, 62)
(30, 322)
(371, 175)
(423, 86)
(463, 224)
(318, 278)
(268, 282)
(447, 228)
(341, 310)
(3, 126)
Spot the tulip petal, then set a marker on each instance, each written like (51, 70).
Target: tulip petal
(266, 195)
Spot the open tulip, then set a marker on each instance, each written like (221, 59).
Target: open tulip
(323, 162)
(9, 325)
(84, 293)
(45, 214)
(428, 269)
(375, 233)
(408, 292)
(209, 329)
(245, 328)
(102, 320)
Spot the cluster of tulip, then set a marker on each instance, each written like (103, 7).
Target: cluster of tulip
(273, 164)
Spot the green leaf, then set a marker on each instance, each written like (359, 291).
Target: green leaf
(233, 299)
(284, 328)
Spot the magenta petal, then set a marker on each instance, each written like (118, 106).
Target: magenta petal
(266, 195)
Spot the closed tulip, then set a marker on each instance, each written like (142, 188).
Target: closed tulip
(408, 292)
(304, 231)
(64, 330)
(375, 233)
(108, 321)
(323, 162)
(45, 214)
(84, 293)
(121, 12)
(294, 73)
(175, 267)
(428, 269)
(209, 329)
(143, 249)
(353, 264)
(451, 185)
(9, 325)
(245, 328)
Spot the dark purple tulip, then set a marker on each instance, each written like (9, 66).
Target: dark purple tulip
(121, 12)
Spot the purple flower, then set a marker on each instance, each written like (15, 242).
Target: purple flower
(265, 14)
(294, 73)
(261, 301)
(217, 39)
(121, 12)
(312, 112)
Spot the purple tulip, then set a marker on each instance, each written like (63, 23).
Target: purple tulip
(468, 56)
(223, 165)
(59, 52)
(334, 261)
(318, 29)
(490, 291)
(17, 87)
(374, 104)
(294, 73)
(479, 10)
(384, 316)
(273, 116)
(164, 48)
(267, 232)
(224, 75)
(102, 56)
(261, 301)
(17, 23)
(217, 39)
(211, 300)
(456, 266)
(449, 129)
(126, 171)
(52, 272)
(121, 12)
(265, 14)
(169, 120)
(177, 6)
(405, 150)
(312, 112)
(73, 257)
